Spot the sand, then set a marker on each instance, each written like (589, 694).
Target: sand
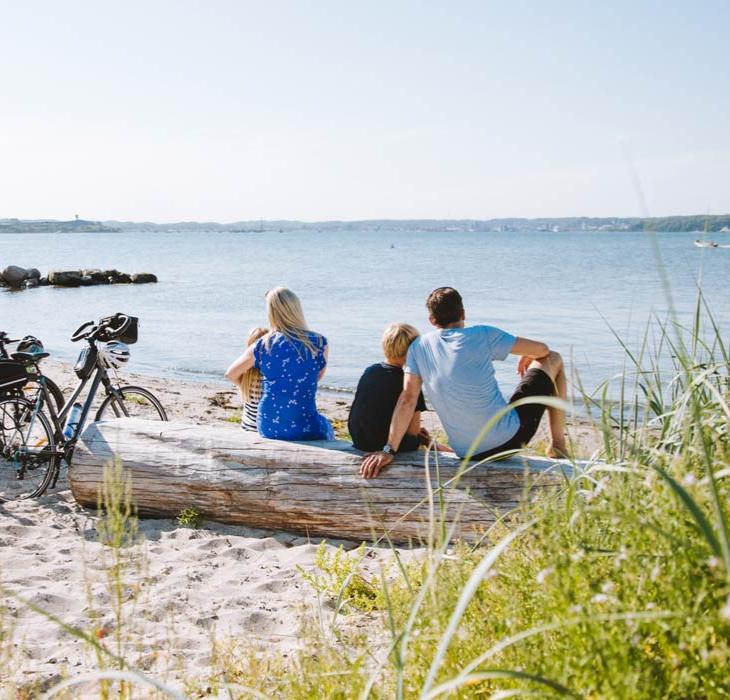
(182, 586)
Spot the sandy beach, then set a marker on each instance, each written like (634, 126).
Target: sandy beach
(185, 587)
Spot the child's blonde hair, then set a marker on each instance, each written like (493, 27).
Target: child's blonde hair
(397, 339)
(252, 378)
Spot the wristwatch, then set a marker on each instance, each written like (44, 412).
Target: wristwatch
(388, 450)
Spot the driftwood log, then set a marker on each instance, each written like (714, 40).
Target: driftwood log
(311, 488)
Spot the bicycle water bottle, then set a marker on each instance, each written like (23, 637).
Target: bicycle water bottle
(72, 423)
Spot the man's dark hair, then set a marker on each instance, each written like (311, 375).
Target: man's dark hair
(445, 306)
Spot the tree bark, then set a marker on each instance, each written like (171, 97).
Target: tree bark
(313, 488)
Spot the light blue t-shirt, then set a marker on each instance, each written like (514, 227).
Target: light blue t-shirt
(455, 365)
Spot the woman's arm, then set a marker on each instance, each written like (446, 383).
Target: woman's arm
(244, 363)
(326, 358)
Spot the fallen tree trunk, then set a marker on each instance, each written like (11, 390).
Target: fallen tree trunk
(312, 488)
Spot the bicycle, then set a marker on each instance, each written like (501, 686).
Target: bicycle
(30, 391)
(33, 444)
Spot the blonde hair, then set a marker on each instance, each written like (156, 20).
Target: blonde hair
(251, 379)
(397, 339)
(286, 316)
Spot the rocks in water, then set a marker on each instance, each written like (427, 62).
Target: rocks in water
(21, 278)
(65, 278)
(14, 276)
(143, 278)
(96, 276)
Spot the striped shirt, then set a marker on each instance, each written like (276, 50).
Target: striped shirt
(250, 413)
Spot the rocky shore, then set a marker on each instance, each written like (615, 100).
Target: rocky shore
(15, 277)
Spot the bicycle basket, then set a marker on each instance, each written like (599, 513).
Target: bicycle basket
(86, 362)
(128, 335)
(13, 375)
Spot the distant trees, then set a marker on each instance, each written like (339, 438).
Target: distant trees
(684, 223)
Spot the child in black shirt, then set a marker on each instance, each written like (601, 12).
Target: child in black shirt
(377, 394)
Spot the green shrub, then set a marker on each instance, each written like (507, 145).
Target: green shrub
(189, 517)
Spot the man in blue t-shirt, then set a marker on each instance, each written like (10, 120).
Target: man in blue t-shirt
(454, 367)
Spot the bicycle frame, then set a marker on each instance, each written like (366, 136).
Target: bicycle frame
(65, 446)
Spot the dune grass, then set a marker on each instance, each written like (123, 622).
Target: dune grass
(617, 586)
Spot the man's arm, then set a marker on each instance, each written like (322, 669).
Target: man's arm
(528, 350)
(399, 423)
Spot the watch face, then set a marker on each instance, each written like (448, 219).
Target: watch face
(388, 450)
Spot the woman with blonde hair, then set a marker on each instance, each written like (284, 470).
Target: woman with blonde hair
(291, 359)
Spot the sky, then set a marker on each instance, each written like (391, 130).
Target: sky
(234, 110)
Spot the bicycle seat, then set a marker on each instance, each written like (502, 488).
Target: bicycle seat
(28, 357)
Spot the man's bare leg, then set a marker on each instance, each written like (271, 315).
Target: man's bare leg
(552, 365)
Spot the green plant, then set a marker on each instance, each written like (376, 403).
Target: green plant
(341, 429)
(235, 417)
(338, 576)
(189, 517)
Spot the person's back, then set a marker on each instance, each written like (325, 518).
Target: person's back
(377, 394)
(455, 366)
(372, 408)
(289, 372)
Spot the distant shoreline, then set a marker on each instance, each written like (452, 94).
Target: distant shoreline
(716, 223)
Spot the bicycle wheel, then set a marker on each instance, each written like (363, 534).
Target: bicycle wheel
(27, 450)
(31, 389)
(131, 402)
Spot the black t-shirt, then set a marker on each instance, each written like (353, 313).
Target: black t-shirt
(372, 408)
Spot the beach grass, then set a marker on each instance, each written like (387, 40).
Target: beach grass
(616, 586)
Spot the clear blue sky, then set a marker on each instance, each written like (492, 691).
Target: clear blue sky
(169, 111)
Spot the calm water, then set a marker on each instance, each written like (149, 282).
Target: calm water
(562, 288)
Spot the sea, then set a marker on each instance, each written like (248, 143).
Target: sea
(577, 291)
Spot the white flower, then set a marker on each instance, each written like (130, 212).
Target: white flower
(608, 587)
(689, 479)
(725, 610)
(650, 606)
(654, 575)
(713, 562)
(577, 555)
(620, 557)
(600, 598)
(542, 575)
(576, 609)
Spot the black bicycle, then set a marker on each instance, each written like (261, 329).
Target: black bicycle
(33, 440)
(30, 390)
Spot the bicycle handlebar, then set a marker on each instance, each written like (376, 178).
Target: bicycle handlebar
(103, 325)
(79, 334)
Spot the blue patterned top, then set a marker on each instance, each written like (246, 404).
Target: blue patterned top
(289, 374)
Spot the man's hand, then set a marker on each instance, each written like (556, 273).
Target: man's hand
(373, 462)
(424, 437)
(523, 365)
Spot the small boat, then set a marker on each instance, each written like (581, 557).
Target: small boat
(705, 244)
